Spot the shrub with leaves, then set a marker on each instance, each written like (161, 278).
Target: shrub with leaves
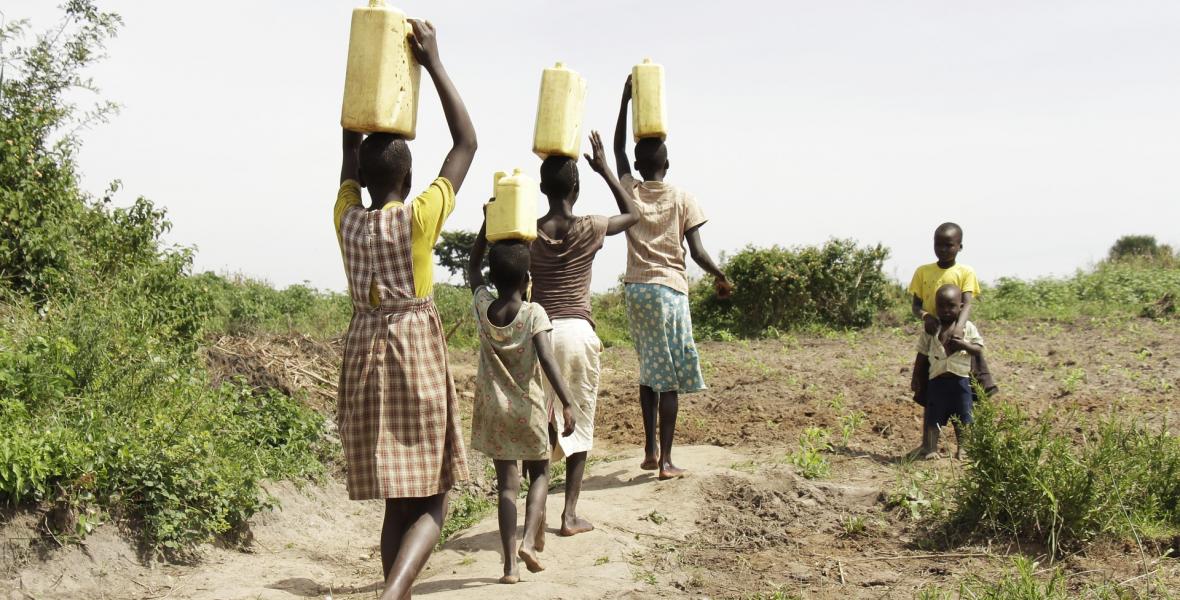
(1028, 480)
(839, 284)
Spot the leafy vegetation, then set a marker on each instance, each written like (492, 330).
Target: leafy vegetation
(837, 285)
(1137, 247)
(1028, 480)
(105, 406)
(1111, 289)
(1023, 584)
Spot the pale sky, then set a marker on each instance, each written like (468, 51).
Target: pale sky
(1046, 129)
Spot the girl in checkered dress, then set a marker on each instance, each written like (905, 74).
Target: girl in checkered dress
(397, 410)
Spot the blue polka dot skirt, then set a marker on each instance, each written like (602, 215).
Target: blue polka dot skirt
(661, 327)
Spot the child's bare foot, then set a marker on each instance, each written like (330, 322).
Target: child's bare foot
(574, 526)
(650, 463)
(530, 560)
(932, 456)
(669, 471)
(511, 570)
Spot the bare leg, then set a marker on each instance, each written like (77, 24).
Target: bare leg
(575, 468)
(649, 401)
(669, 407)
(392, 530)
(424, 519)
(507, 487)
(534, 512)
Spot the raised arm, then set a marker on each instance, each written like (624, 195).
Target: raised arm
(458, 161)
(701, 257)
(349, 156)
(544, 348)
(622, 163)
(964, 315)
(474, 272)
(628, 213)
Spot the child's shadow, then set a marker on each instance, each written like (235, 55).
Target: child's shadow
(307, 588)
(616, 480)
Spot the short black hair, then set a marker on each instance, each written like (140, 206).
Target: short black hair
(385, 159)
(508, 262)
(946, 290)
(559, 177)
(651, 154)
(949, 228)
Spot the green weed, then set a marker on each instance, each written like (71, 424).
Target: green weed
(809, 459)
(466, 509)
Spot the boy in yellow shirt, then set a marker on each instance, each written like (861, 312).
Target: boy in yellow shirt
(948, 242)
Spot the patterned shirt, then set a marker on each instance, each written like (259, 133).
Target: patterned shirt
(431, 209)
(655, 245)
(958, 363)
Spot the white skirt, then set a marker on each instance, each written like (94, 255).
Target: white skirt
(577, 350)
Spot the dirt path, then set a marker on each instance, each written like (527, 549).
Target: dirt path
(323, 546)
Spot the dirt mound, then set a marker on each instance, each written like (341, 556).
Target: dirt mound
(748, 515)
(287, 363)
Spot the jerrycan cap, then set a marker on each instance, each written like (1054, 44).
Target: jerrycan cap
(376, 3)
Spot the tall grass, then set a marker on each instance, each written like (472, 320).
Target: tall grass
(1121, 288)
(1023, 583)
(1029, 480)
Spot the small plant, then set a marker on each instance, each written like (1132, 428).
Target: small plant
(655, 517)
(849, 423)
(747, 466)
(809, 459)
(601, 560)
(854, 526)
(1072, 380)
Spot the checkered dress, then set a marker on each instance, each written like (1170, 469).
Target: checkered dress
(398, 412)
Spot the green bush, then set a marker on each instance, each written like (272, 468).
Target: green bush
(837, 285)
(1027, 480)
(1138, 247)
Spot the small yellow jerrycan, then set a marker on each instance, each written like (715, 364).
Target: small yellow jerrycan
(513, 213)
(381, 81)
(649, 114)
(558, 130)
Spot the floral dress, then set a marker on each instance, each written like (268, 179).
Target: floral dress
(510, 420)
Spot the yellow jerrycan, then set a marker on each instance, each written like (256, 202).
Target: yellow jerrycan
(381, 80)
(649, 114)
(558, 129)
(512, 215)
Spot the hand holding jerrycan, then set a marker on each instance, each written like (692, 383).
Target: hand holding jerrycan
(512, 213)
(558, 129)
(649, 113)
(381, 80)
